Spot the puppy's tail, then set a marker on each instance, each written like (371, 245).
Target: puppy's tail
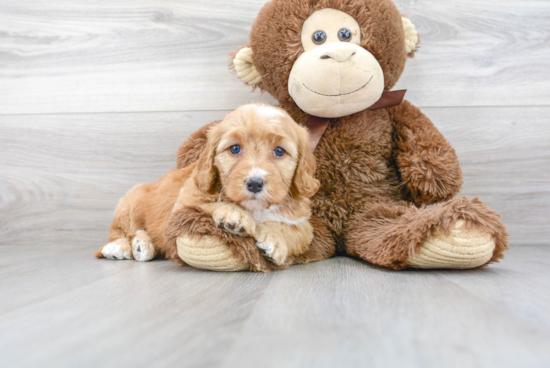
(98, 253)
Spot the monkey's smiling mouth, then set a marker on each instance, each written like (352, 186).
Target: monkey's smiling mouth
(341, 94)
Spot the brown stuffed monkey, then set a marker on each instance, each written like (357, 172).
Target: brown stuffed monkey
(332, 64)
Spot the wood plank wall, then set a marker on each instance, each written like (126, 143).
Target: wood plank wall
(95, 97)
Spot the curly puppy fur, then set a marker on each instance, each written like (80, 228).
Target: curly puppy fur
(378, 169)
(254, 179)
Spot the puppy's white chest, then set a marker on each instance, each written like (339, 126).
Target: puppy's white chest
(269, 214)
(273, 214)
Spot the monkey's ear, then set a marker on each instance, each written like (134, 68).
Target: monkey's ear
(411, 36)
(244, 66)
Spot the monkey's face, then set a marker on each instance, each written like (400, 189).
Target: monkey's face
(334, 76)
(331, 58)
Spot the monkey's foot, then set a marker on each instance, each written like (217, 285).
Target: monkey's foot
(461, 249)
(208, 253)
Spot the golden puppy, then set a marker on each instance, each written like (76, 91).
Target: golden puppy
(254, 178)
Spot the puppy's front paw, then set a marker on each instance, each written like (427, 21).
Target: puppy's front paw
(235, 220)
(272, 244)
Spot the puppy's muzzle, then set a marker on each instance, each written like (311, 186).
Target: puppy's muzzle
(255, 185)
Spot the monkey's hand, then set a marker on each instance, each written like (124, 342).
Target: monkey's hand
(427, 162)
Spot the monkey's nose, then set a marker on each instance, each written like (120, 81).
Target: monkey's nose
(337, 52)
(255, 185)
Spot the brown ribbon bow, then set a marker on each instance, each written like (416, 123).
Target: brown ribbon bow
(317, 125)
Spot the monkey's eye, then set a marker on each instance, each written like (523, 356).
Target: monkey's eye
(279, 152)
(319, 37)
(236, 149)
(344, 35)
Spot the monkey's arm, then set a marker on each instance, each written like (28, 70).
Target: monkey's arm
(232, 217)
(427, 162)
(191, 149)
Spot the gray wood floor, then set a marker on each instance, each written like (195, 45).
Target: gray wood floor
(59, 307)
(96, 96)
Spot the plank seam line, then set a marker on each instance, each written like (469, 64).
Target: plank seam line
(227, 110)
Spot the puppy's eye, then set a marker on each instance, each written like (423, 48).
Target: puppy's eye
(344, 35)
(236, 149)
(319, 37)
(279, 152)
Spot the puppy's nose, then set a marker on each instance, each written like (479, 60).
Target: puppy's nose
(255, 185)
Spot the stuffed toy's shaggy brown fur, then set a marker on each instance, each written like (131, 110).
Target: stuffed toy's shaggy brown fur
(378, 169)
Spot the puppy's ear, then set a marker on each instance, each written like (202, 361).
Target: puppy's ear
(206, 173)
(304, 183)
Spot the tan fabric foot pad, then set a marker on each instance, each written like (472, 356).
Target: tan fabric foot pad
(208, 253)
(462, 249)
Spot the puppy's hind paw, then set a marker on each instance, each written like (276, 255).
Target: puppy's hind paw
(143, 249)
(117, 250)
